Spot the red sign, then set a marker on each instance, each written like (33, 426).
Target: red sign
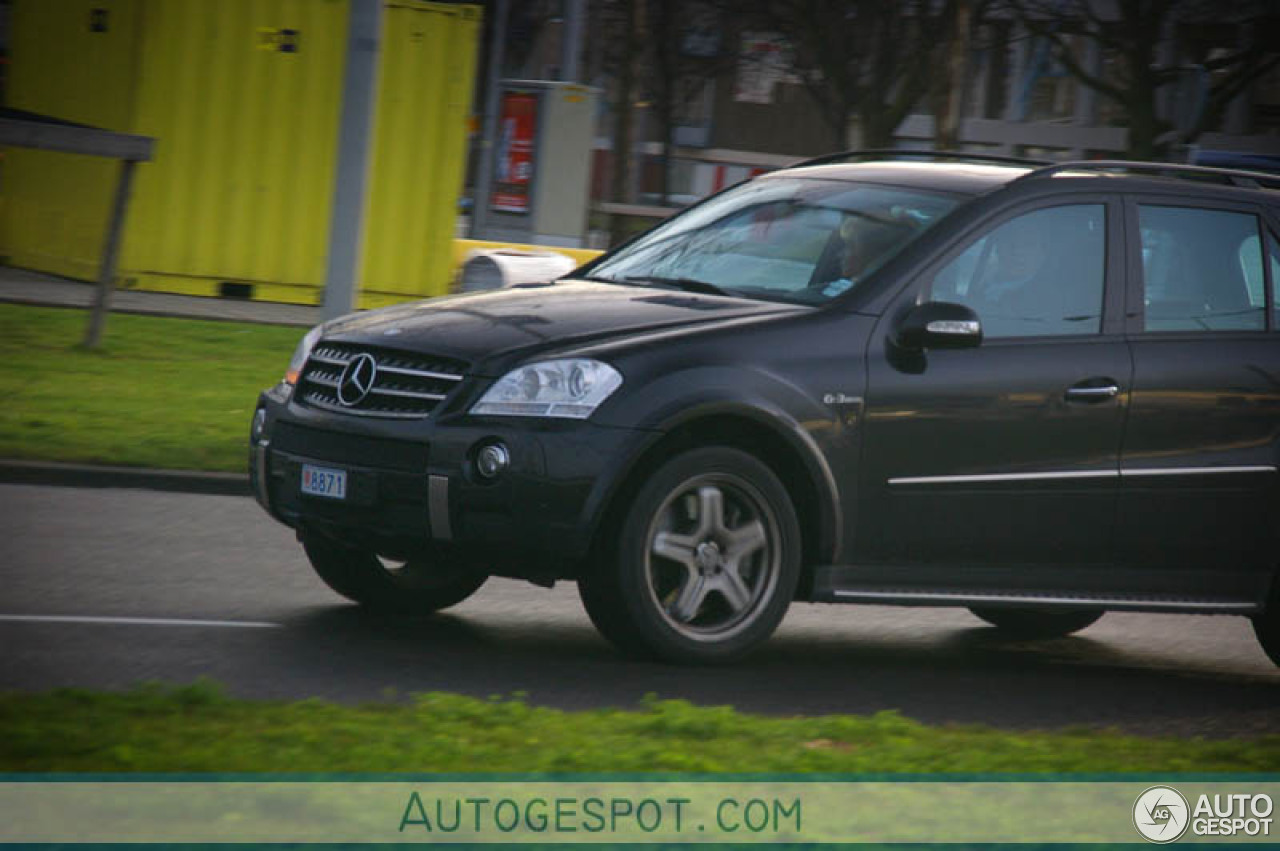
(516, 128)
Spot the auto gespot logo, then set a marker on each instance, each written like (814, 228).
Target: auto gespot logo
(1162, 814)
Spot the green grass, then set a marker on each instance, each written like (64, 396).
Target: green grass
(196, 728)
(160, 392)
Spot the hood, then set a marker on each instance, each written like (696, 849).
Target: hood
(487, 328)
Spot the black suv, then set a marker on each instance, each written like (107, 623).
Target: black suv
(1041, 392)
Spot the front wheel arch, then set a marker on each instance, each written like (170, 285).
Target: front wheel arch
(819, 521)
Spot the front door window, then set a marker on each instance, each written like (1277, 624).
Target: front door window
(1037, 274)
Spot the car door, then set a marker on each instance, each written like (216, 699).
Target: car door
(1199, 492)
(1005, 455)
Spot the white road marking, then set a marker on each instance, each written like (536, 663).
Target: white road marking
(134, 621)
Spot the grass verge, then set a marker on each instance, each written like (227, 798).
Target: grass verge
(198, 729)
(175, 393)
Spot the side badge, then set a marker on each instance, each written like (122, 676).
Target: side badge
(850, 407)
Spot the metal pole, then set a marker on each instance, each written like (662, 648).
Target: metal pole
(484, 170)
(351, 177)
(110, 255)
(575, 18)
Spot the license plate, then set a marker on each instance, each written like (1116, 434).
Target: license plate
(324, 481)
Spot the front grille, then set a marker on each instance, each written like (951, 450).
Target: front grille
(403, 384)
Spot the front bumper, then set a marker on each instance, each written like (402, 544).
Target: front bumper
(412, 486)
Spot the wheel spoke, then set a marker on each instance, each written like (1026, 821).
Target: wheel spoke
(677, 548)
(687, 603)
(745, 540)
(735, 591)
(718, 530)
(710, 511)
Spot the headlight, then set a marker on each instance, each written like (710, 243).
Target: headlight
(301, 354)
(572, 388)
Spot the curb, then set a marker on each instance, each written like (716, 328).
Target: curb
(15, 472)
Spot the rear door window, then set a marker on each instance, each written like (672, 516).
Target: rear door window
(1202, 270)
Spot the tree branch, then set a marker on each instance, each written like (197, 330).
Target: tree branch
(1062, 53)
(1220, 96)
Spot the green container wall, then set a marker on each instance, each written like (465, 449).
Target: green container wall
(54, 210)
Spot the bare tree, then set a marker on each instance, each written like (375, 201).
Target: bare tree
(1137, 33)
(644, 52)
(950, 93)
(617, 60)
(678, 75)
(870, 59)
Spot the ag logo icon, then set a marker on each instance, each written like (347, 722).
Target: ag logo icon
(1161, 814)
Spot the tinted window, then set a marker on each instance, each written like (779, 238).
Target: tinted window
(1037, 274)
(1202, 270)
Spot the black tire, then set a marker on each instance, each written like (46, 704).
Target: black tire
(411, 587)
(1266, 624)
(704, 563)
(1037, 623)
(606, 618)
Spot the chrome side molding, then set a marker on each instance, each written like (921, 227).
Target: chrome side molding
(1131, 473)
(1194, 471)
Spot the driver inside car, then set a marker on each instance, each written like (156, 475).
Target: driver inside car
(1019, 260)
(862, 244)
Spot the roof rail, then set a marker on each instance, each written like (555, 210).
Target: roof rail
(894, 153)
(1229, 176)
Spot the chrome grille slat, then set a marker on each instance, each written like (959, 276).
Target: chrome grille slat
(315, 401)
(405, 385)
(399, 370)
(324, 380)
(406, 394)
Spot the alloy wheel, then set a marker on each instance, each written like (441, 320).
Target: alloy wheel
(713, 558)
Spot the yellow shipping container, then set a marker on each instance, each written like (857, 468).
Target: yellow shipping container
(243, 97)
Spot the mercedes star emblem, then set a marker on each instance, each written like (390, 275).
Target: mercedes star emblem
(357, 379)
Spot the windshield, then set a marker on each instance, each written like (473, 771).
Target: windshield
(784, 239)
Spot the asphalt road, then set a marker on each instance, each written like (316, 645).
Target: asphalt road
(106, 588)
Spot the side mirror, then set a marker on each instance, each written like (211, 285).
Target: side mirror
(939, 325)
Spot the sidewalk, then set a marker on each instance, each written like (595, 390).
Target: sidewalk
(20, 286)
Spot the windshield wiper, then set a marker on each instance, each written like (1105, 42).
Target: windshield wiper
(691, 285)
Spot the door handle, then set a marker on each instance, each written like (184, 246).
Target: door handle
(1093, 390)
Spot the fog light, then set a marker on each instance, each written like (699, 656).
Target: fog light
(492, 460)
(259, 423)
